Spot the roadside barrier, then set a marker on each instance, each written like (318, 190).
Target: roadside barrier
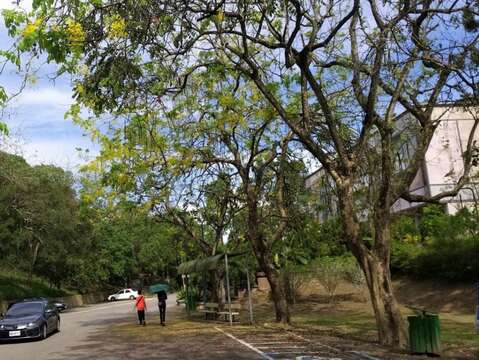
(71, 301)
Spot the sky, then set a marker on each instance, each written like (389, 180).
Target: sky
(38, 129)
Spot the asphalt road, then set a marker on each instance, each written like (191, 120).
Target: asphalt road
(82, 337)
(109, 331)
(77, 328)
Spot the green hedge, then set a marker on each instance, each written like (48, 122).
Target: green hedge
(436, 245)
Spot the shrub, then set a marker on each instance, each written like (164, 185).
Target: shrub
(437, 245)
(330, 271)
(293, 278)
(352, 272)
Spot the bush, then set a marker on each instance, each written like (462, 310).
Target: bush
(293, 278)
(330, 271)
(437, 246)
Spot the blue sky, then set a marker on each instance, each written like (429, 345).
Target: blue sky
(36, 117)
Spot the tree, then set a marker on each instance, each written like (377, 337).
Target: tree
(335, 74)
(216, 206)
(40, 203)
(127, 245)
(220, 154)
(14, 170)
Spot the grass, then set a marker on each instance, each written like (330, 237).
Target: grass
(16, 285)
(352, 319)
(458, 331)
(348, 321)
(356, 321)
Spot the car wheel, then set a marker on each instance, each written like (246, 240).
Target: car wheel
(43, 332)
(132, 297)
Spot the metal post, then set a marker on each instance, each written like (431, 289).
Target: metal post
(187, 298)
(228, 288)
(205, 285)
(250, 304)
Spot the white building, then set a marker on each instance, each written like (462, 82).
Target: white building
(441, 168)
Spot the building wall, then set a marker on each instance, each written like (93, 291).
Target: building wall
(443, 162)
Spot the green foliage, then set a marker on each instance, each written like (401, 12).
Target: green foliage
(330, 271)
(437, 245)
(17, 285)
(38, 213)
(352, 271)
(3, 128)
(127, 246)
(47, 231)
(469, 20)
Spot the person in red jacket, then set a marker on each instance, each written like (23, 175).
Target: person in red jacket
(140, 306)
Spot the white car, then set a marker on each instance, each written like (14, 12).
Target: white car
(124, 294)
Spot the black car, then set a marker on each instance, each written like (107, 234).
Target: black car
(29, 319)
(60, 305)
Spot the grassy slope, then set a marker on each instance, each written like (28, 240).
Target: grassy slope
(15, 285)
(357, 322)
(351, 317)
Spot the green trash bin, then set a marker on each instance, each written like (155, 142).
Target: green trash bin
(424, 333)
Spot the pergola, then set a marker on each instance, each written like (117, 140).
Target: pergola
(211, 263)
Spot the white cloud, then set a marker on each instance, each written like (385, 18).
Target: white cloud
(46, 96)
(61, 152)
(12, 4)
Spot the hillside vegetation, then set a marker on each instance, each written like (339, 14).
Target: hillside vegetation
(15, 285)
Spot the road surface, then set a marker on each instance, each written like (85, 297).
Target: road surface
(109, 331)
(85, 335)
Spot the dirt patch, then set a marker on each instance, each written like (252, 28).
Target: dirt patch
(431, 295)
(437, 296)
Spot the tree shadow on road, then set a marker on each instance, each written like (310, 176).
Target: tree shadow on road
(183, 338)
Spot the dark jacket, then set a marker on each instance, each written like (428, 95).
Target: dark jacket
(162, 296)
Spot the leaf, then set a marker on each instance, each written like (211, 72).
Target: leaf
(469, 21)
(3, 128)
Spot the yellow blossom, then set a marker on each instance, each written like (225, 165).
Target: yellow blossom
(117, 28)
(75, 32)
(219, 17)
(29, 29)
(79, 89)
(32, 27)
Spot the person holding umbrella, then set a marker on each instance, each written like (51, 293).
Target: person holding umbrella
(162, 296)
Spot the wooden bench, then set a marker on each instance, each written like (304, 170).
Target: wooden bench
(235, 308)
(210, 309)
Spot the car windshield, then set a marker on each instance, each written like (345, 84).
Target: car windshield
(25, 309)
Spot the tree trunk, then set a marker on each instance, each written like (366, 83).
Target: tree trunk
(277, 293)
(389, 321)
(375, 265)
(216, 284)
(265, 260)
(34, 247)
